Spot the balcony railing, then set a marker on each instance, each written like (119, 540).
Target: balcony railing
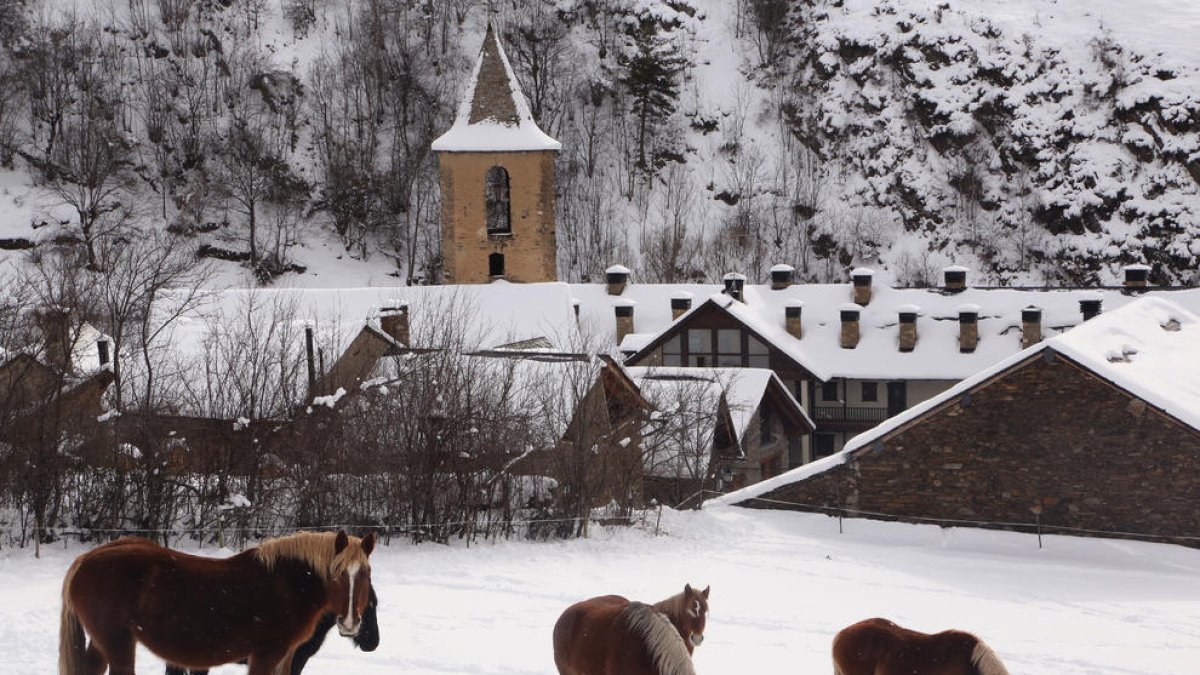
(850, 415)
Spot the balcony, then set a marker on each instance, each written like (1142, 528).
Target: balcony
(839, 415)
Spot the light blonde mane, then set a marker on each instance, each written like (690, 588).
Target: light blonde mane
(986, 660)
(314, 548)
(675, 606)
(666, 648)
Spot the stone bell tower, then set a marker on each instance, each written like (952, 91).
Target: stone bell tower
(497, 181)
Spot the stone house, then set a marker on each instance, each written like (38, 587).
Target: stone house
(1096, 431)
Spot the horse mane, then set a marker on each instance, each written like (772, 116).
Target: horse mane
(314, 548)
(986, 661)
(665, 647)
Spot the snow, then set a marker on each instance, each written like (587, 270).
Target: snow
(782, 585)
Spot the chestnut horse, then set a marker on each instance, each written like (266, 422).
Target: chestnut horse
(880, 647)
(367, 639)
(609, 635)
(199, 612)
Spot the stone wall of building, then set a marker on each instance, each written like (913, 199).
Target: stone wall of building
(1047, 436)
(530, 253)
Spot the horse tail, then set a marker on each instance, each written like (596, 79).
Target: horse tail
(72, 643)
(986, 661)
(663, 643)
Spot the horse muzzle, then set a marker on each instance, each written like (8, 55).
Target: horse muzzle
(697, 639)
(346, 628)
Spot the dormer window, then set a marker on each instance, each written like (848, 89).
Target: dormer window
(495, 192)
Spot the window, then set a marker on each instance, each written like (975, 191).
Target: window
(760, 357)
(496, 264)
(766, 423)
(700, 347)
(822, 445)
(729, 347)
(870, 392)
(495, 194)
(673, 352)
(829, 391)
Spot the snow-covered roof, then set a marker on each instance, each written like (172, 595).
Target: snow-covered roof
(493, 115)
(936, 355)
(1150, 348)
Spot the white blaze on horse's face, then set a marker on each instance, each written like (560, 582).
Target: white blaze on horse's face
(350, 622)
(697, 608)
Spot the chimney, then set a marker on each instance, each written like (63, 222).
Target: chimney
(908, 327)
(791, 314)
(681, 302)
(1089, 307)
(56, 338)
(103, 350)
(1031, 326)
(575, 308)
(782, 277)
(393, 320)
(624, 312)
(617, 277)
(861, 278)
(735, 284)
(1137, 277)
(955, 278)
(850, 312)
(968, 328)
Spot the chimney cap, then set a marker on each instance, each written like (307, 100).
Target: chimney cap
(623, 302)
(955, 268)
(1137, 267)
(793, 302)
(862, 272)
(617, 269)
(392, 307)
(575, 302)
(849, 307)
(968, 308)
(734, 276)
(908, 309)
(1091, 296)
(682, 295)
(782, 268)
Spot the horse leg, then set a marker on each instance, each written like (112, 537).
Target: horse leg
(118, 648)
(94, 661)
(267, 664)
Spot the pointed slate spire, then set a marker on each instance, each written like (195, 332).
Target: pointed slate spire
(493, 115)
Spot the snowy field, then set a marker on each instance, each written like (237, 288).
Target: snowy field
(782, 585)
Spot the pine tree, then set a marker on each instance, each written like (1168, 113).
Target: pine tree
(653, 68)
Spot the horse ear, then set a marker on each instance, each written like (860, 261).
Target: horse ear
(705, 591)
(368, 543)
(687, 591)
(341, 542)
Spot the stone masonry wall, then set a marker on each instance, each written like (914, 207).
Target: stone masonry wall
(530, 253)
(1047, 434)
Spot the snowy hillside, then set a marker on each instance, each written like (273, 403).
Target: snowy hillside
(782, 585)
(1034, 141)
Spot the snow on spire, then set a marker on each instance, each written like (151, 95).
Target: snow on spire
(493, 115)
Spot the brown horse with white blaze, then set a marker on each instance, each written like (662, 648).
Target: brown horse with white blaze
(609, 635)
(201, 612)
(880, 647)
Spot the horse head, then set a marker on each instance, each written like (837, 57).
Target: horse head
(349, 586)
(694, 615)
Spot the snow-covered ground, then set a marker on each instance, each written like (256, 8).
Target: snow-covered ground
(782, 585)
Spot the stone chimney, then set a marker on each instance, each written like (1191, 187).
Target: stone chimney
(850, 314)
(57, 342)
(782, 276)
(1089, 306)
(968, 328)
(908, 327)
(393, 320)
(624, 312)
(617, 277)
(575, 304)
(735, 285)
(1031, 326)
(954, 278)
(791, 314)
(861, 278)
(681, 302)
(1137, 277)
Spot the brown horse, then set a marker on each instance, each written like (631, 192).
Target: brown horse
(610, 635)
(202, 612)
(880, 647)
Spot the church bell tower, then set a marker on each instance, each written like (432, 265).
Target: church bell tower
(497, 180)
